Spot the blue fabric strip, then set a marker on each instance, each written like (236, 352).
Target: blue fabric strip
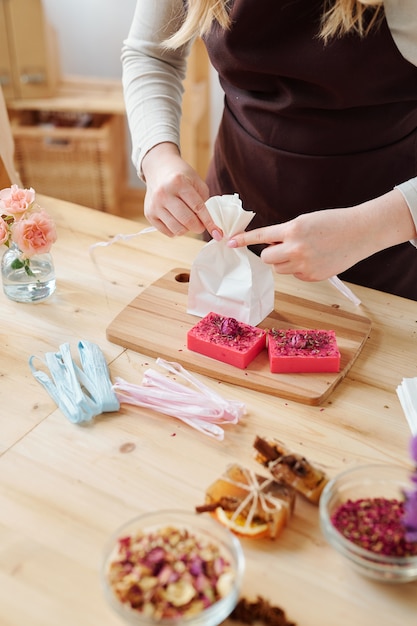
(81, 394)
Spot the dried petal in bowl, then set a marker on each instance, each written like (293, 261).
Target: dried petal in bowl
(173, 566)
(169, 573)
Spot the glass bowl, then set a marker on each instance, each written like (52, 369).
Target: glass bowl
(161, 529)
(367, 481)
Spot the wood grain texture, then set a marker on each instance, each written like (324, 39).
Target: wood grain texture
(156, 323)
(65, 488)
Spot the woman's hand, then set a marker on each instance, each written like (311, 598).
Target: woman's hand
(316, 246)
(312, 246)
(175, 194)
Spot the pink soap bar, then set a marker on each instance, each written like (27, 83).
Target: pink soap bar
(298, 351)
(227, 340)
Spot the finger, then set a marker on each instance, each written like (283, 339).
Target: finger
(275, 253)
(208, 223)
(287, 267)
(266, 235)
(171, 215)
(160, 226)
(195, 200)
(169, 218)
(277, 256)
(282, 268)
(181, 207)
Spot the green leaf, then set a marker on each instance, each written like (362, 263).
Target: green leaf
(17, 264)
(27, 268)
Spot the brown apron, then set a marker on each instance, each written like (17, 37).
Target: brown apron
(308, 126)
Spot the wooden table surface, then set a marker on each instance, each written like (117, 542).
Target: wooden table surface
(64, 488)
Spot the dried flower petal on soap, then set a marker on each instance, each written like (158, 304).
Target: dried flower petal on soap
(226, 339)
(230, 327)
(303, 351)
(220, 328)
(300, 341)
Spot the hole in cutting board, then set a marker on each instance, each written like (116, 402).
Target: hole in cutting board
(184, 277)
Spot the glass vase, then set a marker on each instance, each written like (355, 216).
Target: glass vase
(27, 280)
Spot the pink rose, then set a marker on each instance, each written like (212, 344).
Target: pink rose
(34, 235)
(4, 232)
(15, 201)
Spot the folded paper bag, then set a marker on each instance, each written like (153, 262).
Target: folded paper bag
(407, 394)
(233, 282)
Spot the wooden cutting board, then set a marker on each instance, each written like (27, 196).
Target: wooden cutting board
(156, 323)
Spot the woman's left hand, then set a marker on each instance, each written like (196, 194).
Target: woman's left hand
(313, 246)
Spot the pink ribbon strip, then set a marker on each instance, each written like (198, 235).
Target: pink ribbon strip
(201, 407)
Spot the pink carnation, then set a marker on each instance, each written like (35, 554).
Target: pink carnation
(4, 232)
(15, 201)
(34, 235)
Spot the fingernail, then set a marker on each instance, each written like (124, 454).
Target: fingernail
(232, 243)
(217, 236)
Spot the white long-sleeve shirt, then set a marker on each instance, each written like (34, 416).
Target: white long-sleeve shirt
(153, 76)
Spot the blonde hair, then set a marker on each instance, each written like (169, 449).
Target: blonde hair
(198, 19)
(339, 18)
(343, 16)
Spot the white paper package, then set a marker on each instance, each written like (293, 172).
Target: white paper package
(233, 282)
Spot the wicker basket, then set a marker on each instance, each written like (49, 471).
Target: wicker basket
(83, 165)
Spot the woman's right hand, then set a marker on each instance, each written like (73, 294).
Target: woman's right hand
(321, 244)
(175, 194)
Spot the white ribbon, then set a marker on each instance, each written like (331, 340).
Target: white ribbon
(336, 282)
(121, 237)
(203, 409)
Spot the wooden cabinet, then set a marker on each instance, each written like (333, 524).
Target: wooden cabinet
(8, 174)
(6, 79)
(72, 146)
(89, 165)
(28, 50)
(195, 126)
(82, 164)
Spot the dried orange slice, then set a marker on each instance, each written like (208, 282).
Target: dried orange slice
(240, 525)
(249, 504)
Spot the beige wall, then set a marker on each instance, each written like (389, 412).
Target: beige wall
(90, 34)
(94, 48)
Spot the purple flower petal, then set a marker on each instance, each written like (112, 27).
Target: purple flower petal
(413, 448)
(230, 327)
(410, 511)
(410, 503)
(196, 566)
(411, 535)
